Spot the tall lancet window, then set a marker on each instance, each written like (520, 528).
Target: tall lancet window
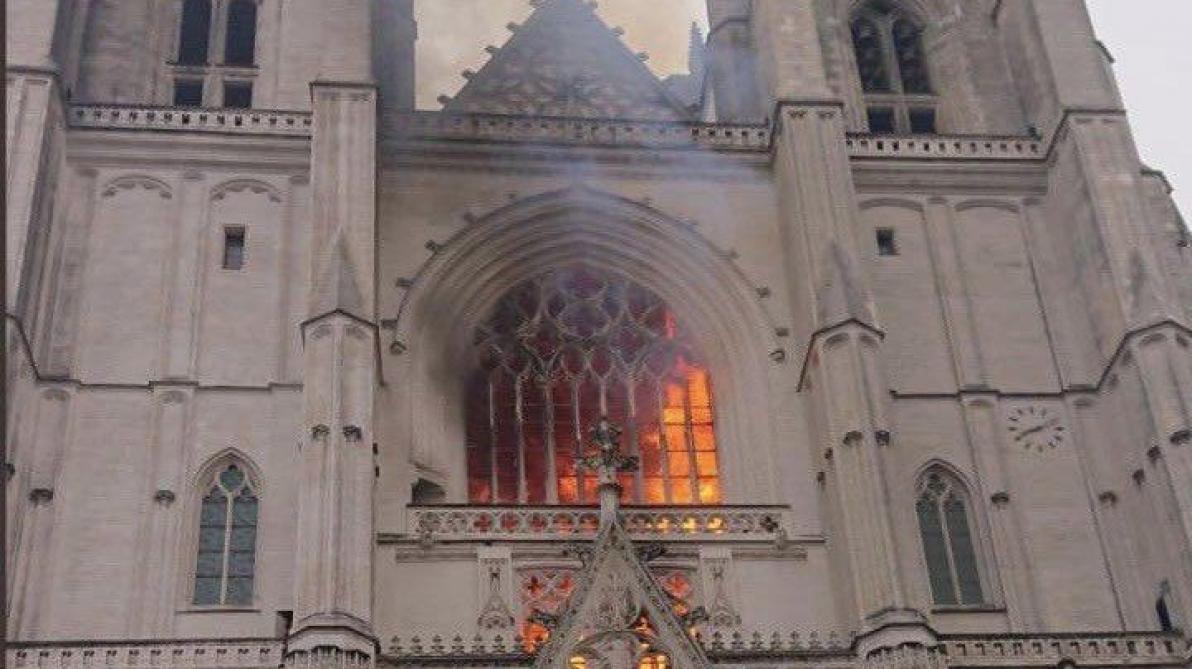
(240, 40)
(945, 525)
(892, 68)
(194, 31)
(560, 351)
(227, 540)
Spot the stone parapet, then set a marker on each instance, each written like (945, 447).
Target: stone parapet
(187, 119)
(568, 523)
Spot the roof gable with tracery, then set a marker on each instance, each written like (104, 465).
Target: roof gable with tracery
(618, 613)
(565, 62)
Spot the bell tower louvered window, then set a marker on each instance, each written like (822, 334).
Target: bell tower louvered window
(892, 68)
(559, 352)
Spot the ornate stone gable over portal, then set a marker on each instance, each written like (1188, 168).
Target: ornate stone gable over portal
(566, 62)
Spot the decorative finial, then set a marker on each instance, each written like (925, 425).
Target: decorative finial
(607, 461)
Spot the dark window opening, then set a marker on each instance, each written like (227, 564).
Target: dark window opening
(237, 95)
(425, 492)
(1164, 615)
(881, 120)
(188, 93)
(233, 255)
(194, 31)
(908, 49)
(871, 59)
(922, 121)
(241, 41)
(887, 245)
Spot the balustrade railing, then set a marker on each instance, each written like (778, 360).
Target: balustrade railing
(1133, 649)
(570, 522)
(203, 654)
(943, 147)
(234, 121)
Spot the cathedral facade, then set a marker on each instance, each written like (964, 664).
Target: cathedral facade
(864, 344)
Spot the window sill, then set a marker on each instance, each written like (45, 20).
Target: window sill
(194, 608)
(968, 608)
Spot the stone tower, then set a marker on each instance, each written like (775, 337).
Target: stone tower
(891, 318)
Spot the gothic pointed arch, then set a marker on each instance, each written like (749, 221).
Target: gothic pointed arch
(467, 276)
(949, 534)
(227, 493)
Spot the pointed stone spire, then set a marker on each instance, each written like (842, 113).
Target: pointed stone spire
(697, 52)
(336, 288)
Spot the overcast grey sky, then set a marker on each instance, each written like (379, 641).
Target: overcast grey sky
(1154, 65)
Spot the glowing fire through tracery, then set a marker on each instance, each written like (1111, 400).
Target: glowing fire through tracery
(559, 352)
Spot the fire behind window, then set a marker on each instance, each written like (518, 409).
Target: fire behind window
(559, 352)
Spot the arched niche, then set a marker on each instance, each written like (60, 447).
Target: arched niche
(422, 405)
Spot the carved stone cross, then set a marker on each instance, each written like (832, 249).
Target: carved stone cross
(607, 461)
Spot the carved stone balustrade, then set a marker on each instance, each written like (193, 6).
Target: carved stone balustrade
(1150, 649)
(187, 119)
(192, 654)
(565, 523)
(944, 147)
(585, 132)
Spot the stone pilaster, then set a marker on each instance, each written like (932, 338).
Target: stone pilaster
(30, 575)
(155, 601)
(333, 573)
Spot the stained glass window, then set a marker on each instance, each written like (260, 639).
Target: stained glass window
(227, 541)
(559, 352)
(945, 528)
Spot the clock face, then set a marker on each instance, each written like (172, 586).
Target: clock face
(1036, 427)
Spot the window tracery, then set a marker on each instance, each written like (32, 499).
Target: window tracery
(945, 527)
(892, 68)
(559, 352)
(227, 537)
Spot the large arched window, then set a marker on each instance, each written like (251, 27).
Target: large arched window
(194, 31)
(946, 528)
(892, 68)
(560, 351)
(240, 40)
(227, 540)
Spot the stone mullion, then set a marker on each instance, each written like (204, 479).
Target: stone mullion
(490, 396)
(663, 442)
(519, 430)
(954, 295)
(635, 447)
(552, 474)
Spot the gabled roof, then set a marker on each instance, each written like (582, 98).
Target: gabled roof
(615, 590)
(564, 61)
